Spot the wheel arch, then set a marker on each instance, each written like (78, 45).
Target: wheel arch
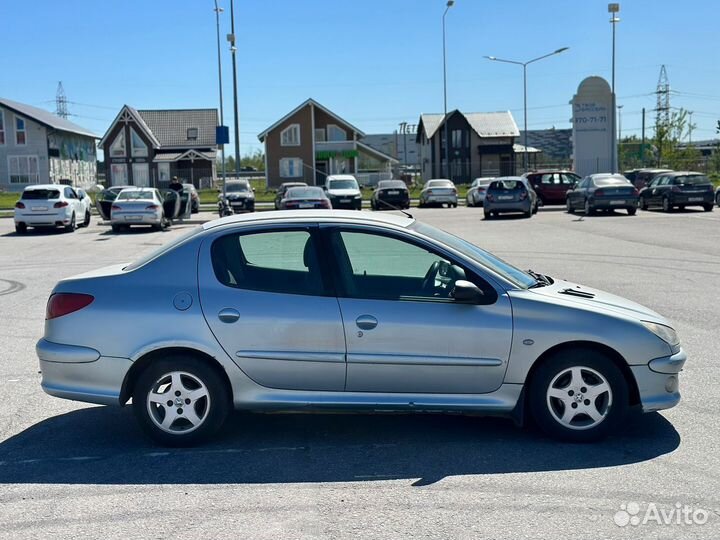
(149, 357)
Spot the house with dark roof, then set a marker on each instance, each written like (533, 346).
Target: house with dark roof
(481, 144)
(150, 147)
(37, 147)
(311, 142)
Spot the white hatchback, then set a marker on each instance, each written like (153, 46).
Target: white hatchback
(49, 205)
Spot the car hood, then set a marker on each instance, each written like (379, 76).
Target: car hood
(343, 192)
(587, 297)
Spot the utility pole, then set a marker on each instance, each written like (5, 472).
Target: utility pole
(449, 4)
(642, 142)
(690, 126)
(233, 50)
(219, 10)
(613, 9)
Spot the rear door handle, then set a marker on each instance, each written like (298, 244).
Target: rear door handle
(228, 315)
(366, 322)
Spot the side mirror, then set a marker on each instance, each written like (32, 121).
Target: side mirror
(466, 292)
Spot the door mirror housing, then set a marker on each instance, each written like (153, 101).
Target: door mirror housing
(466, 292)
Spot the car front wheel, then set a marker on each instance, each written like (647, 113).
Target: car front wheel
(666, 206)
(180, 401)
(578, 396)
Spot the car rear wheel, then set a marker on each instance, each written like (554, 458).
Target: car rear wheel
(569, 207)
(717, 199)
(20, 228)
(578, 395)
(643, 203)
(708, 207)
(632, 211)
(589, 210)
(70, 227)
(180, 401)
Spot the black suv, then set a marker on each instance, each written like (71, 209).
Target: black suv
(678, 189)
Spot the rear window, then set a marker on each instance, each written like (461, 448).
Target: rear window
(135, 195)
(440, 184)
(507, 184)
(392, 185)
(611, 181)
(691, 180)
(40, 194)
(304, 193)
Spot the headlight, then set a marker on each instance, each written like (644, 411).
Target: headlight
(358, 196)
(667, 334)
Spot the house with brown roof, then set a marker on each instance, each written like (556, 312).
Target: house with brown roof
(311, 142)
(149, 147)
(480, 144)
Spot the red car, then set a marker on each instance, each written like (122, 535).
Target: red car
(552, 186)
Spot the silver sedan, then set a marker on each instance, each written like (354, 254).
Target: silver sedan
(330, 310)
(138, 206)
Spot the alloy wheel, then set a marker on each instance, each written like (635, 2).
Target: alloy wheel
(178, 402)
(579, 398)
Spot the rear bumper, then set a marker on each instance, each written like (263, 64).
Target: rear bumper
(616, 202)
(693, 200)
(44, 219)
(658, 382)
(512, 206)
(340, 203)
(136, 218)
(81, 373)
(439, 199)
(395, 201)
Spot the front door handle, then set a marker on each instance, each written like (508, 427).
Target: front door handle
(366, 322)
(228, 315)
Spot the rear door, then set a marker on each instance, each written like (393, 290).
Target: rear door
(266, 299)
(404, 332)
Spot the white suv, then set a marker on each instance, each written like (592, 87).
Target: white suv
(49, 205)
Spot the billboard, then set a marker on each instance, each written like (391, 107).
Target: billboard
(593, 137)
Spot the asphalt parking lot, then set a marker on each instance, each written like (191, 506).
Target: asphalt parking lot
(74, 470)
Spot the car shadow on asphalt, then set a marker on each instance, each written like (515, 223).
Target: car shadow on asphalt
(103, 445)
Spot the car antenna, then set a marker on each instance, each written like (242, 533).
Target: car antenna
(408, 214)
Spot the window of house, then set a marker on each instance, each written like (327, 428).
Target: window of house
(118, 174)
(141, 174)
(270, 261)
(290, 136)
(20, 134)
(336, 133)
(291, 168)
(320, 135)
(192, 133)
(23, 169)
(117, 148)
(138, 147)
(2, 127)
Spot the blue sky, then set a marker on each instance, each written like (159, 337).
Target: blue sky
(374, 62)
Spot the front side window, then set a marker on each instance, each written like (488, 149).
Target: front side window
(117, 148)
(20, 134)
(270, 261)
(291, 168)
(23, 169)
(290, 136)
(138, 147)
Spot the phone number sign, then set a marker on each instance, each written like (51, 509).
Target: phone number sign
(590, 116)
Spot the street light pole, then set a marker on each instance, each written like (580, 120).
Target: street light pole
(219, 10)
(613, 9)
(447, 141)
(524, 66)
(233, 50)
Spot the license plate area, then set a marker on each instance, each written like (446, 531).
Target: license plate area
(616, 202)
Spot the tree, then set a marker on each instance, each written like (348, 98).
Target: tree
(667, 142)
(256, 159)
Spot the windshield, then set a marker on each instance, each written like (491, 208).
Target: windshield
(305, 193)
(40, 194)
(694, 180)
(236, 188)
(514, 275)
(135, 195)
(342, 184)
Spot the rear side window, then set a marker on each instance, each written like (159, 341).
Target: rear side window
(40, 194)
(270, 261)
(513, 185)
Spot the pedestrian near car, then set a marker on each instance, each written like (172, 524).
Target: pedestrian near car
(176, 185)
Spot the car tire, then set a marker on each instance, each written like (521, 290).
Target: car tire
(20, 228)
(568, 207)
(589, 210)
(643, 203)
(562, 383)
(200, 401)
(708, 207)
(666, 206)
(717, 199)
(631, 211)
(468, 202)
(488, 215)
(115, 228)
(528, 214)
(70, 227)
(86, 221)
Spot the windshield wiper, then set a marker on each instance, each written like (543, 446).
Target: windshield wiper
(540, 280)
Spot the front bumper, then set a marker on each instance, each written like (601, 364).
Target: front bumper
(81, 373)
(510, 206)
(242, 205)
(346, 202)
(658, 382)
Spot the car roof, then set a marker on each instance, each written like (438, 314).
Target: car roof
(341, 177)
(338, 216)
(685, 173)
(504, 178)
(546, 171)
(45, 186)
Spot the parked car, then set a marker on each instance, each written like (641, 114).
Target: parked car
(510, 194)
(603, 191)
(313, 310)
(49, 205)
(552, 186)
(343, 191)
(104, 200)
(678, 189)
(717, 196)
(642, 177)
(87, 203)
(299, 197)
(476, 192)
(240, 196)
(194, 198)
(138, 206)
(280, 194)
(438, 191)
(389, 195)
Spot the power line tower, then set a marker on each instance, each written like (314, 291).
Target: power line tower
(662, 108)
(61, 108)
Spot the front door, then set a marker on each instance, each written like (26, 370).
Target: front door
(404, 332)
(321, 172)
(263, 295)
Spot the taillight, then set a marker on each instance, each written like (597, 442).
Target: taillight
(325, 203)
(115, 207)
(599, 193)
(523, 195)
(455, 191)
(61, 304)
(60, 204)
(20, 205)
(152, 207)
